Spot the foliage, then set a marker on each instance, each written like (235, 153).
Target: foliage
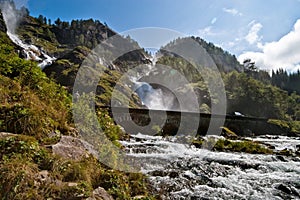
(34, 105)
(253, 98)
(232, 146)
(30, 102)
(285, 81)
(241, 146)
(222, 59)
(23, 160)
(289, 126)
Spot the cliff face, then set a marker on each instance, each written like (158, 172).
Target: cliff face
(79, 32)
(2, 23)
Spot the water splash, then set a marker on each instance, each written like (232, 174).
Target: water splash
(155, 99)
(31, 52)
(179, 171)
(11, 17)
(152, 98)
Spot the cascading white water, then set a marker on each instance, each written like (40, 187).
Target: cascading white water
(31, 52)
(152, 98)
(179, 171)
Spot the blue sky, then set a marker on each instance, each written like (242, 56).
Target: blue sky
(266, 31)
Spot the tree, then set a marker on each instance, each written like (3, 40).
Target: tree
(45, 20)
(74, 24)
(40, 19)
(249, 65)
(58, 22)
(65, 25)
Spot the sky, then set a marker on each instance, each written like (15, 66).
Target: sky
(266, 31)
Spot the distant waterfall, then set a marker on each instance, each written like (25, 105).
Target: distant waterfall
(155, 99)
(30, 52)
(152, 98)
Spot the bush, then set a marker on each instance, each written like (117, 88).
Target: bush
(233, 146)
(31, 112)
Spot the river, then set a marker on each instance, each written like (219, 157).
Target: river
(179, 171)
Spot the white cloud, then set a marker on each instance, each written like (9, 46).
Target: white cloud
(252, 37)
(214, 20)
(284, 53)
(206, 31)
(232, 11)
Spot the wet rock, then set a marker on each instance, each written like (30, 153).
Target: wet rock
(173, 174)
(158, 173)
(281, 158)
(268, 145)
(286, 152)
(284, 188)
(297, 150)
(241, 164)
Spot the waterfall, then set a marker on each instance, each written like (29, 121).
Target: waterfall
(152, 98)
(155, 99)
(31, 52)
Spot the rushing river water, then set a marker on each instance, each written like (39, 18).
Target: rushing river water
(179, 171)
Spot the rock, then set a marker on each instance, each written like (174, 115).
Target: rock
(2, 24)
(286, 152)
(227, 133)
(100, 194)
(281, 158)
(73, 148)
(139, 197)
(70, 184)
(173, 174)
(44, 175)
(284, 188)
(5, 134)
(158, 173)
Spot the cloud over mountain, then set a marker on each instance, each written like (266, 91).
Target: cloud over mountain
(284, 53)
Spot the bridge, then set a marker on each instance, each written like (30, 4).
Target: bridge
(169, 122)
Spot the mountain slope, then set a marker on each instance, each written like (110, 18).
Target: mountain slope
(34, 116)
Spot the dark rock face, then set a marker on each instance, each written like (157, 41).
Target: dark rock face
(65, 68)
(88, 29)
(2, 23)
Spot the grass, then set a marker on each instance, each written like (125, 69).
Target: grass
(232, 146)
(30, 112)
(33, 106)
(22, 159)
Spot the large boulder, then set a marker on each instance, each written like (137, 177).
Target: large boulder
(100, 194)
(73, 148)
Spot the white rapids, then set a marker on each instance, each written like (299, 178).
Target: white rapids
(32, 52)
(181, 171)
